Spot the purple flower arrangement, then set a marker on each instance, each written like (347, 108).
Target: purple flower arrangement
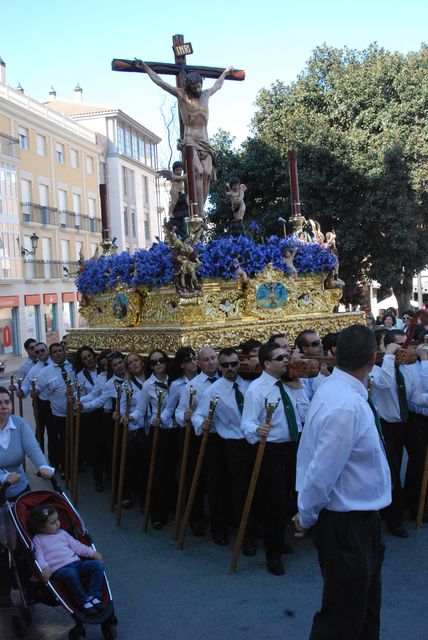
(220, 258)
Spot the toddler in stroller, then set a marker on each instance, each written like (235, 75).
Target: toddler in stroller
(38, 577)
(58, 555)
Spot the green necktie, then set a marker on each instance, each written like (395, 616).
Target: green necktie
(376, 417)
(402, 395)
(64, 373)
(289, 412)
(239, 397)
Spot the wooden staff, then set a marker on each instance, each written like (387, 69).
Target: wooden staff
(183, 468)
(123, 456)
(69, 433)
(12, 391)
(147, 505)
(118, 386)
(195, 480)
(423, 493)
(270, 408)
(36, 413)
(20, 403)
(76, 452)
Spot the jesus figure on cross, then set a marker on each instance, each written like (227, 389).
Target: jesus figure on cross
(193, 107)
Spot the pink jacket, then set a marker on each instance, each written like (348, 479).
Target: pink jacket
(56, 550)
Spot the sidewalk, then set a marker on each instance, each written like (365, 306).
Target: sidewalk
(12, 365)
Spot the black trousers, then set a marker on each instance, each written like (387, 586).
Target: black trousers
(56, 441)
(137, 466)
(394, 434)
(103, 438)
(416, 442)
(45, 418)
(350, 554)
(165, 476)
(276, 485)
(218, 484)
(240, 459)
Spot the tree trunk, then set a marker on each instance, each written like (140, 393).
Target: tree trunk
(403, 292)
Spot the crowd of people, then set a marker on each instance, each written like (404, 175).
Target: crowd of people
(163, 394)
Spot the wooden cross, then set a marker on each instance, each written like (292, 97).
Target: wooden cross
(180, 69)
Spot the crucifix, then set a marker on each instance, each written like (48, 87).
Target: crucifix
(193, 110)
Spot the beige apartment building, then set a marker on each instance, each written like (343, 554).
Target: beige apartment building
(129, 163)
(50, 217)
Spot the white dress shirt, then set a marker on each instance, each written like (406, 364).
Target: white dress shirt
(420, 370)
(102, 394)
(136, 393)
(227, 417)
(264, 389)
(33, 373)
(341, 461)
(86, 387)
(385, 394)
(200, 384)
(174, 395)
(52, 382)
(25, 367)
(147, 402)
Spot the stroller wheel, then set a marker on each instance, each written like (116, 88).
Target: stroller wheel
(26, 615)
(77, 632)
(18, 627)
(109, 629)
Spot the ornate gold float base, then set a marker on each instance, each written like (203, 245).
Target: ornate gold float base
(171, 337)
(223, 313)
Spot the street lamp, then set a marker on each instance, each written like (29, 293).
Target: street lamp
(34, 239)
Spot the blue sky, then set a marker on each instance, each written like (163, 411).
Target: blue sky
(55, 43)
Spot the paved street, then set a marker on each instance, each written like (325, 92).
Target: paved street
(160, 592)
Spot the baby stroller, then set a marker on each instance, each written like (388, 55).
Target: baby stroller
(25, 571)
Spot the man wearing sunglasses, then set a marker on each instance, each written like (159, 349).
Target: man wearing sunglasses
(227, 450)
(276, 479)
(41, 352)
(208, 363)
(25, 367)
(309, 344)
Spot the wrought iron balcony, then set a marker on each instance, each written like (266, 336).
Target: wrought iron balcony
(32, 212)
(49, 269)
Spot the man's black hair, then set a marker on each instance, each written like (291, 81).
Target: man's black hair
(355, 347)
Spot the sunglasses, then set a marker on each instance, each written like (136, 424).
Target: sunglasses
(280, 358)
(229, 365)
(37, 351)
(315, 343)
(158, 361)
(190, 359)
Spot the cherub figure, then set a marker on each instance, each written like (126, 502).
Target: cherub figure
(236, 192)
(240, 272)
(288, 259)
(178, 179)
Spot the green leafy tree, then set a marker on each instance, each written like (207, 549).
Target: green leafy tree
(359, 122)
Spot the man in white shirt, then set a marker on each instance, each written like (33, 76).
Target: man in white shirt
(224, 430)
(343, 480)
(279, 459)
(395, 388)
(25, 367)
(53, 381)
(208, 364)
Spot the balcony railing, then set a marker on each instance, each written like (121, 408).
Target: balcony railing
(32, 212)
(49, 269)
(9, 146)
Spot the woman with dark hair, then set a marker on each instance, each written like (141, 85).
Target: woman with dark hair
(87, 372)
(137, 455)
(389, 321)
(370, 321)
(406, 318)
(17, 440)
(104, 397)
(157, 381)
